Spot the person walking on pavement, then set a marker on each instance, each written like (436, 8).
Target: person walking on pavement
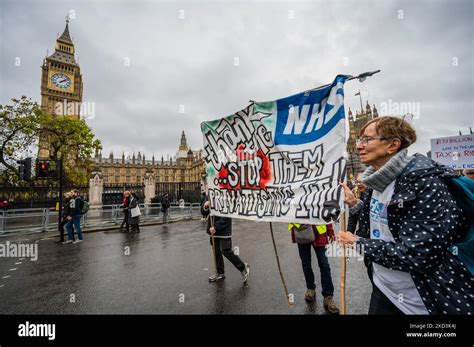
(220, 230)
(134, 221)
(124, 206)
(322, 235)
(64, 213)
(165, 206)
(74, 218)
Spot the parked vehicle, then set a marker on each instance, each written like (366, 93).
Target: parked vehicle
(5, 204)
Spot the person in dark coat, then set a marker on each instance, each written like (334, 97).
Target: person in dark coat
(65, 212)
(221, 229)
(412, 220)
(203, 199)
(76, 203)
(124, 206)
(133, 221)
(165, 206)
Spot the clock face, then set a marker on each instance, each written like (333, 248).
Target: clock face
(61, 81)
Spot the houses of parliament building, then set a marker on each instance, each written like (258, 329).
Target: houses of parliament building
(187, 166)
(61, 84)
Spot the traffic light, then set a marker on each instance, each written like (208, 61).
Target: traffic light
(42, 169)
(24, 169)
(46, 169)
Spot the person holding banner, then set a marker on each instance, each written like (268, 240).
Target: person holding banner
(413, 220)
(220, 230)
(316, 237)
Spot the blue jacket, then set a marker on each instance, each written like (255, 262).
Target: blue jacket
(424, 221)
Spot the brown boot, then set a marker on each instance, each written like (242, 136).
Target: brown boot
(310, 295)
(330, 305)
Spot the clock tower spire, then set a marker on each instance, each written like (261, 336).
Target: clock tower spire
(61, 83)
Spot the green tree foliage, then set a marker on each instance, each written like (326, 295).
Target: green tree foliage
(20, 125)
(23, 123)
(75, 139)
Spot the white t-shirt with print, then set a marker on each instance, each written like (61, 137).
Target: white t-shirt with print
(398, 286)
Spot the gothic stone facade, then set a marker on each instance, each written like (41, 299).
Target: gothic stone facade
(188, 166)
(354, 166)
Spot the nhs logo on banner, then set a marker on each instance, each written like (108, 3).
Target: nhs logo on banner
(306, 118)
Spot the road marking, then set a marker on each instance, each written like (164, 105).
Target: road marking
(2, 285)
(22, 258)
(18, 263)
(14, 269)
(6, 277)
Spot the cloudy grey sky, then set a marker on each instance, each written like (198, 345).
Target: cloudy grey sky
(185, 53)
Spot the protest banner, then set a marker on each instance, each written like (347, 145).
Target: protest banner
(280, 160)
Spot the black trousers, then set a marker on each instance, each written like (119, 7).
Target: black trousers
(64, 221)
(380, 304)
(166, 215)
(125, 220)
(224, 249)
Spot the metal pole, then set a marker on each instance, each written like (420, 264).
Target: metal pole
(60, 197)
(31, 193)
(361, 77)
(46, 219)
(2, 221)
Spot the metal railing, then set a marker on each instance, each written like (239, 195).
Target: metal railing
(46, 219)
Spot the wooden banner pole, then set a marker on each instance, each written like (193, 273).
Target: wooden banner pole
(213, 244)
(279, 268)
(343, 267)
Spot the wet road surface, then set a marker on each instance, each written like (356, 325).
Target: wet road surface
(165, 270)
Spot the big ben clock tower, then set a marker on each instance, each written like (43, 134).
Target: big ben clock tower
(61, 84)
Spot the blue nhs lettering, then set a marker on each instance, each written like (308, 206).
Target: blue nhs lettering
(306, 118)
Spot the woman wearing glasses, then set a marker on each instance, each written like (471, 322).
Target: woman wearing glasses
(411, 220)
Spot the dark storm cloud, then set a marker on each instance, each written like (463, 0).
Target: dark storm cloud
(189, 62)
